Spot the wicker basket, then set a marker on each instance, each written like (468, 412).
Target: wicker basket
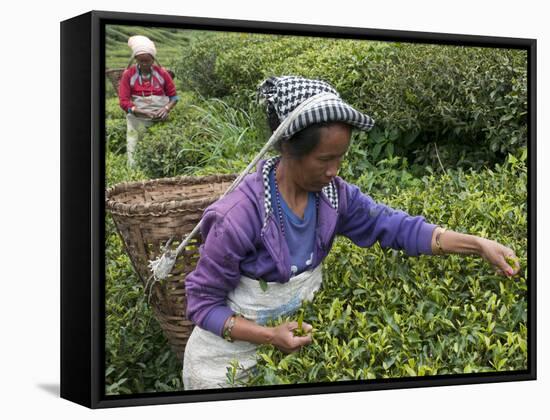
(114, 75)
(147, 214)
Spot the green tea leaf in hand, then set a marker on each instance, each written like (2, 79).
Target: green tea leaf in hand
(511, 261)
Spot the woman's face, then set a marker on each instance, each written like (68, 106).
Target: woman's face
(315, 170)
(145, 61)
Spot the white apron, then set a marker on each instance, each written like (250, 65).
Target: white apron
(207, 355)
(135, 125)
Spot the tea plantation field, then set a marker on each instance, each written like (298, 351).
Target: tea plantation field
(379, 313)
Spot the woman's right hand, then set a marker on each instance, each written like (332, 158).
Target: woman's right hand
(143, 114)
(285, 340)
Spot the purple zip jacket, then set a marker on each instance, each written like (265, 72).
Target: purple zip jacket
(241, 236)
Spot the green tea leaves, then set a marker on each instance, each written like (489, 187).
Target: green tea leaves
(263, 285)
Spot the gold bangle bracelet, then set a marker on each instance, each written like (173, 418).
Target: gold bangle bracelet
(437, 237)
(227, 330)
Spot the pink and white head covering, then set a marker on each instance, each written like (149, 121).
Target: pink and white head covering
(142, 45)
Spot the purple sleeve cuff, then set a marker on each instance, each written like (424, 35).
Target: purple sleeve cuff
(425, 239)
(215, 319)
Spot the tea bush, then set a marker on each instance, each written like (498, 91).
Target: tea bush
(381, 314)
(471, 100)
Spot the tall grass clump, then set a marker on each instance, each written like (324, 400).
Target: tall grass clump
(204, 136)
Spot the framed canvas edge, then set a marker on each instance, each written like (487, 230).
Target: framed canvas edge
(95, 332)
(77, 305)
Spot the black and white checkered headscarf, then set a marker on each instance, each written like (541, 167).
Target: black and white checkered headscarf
(285, 93)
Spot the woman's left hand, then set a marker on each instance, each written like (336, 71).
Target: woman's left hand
(503, 258)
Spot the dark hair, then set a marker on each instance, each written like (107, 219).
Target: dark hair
(301, 143)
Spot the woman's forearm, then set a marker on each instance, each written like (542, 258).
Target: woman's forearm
(171, 104)
(503, 258)
(247, 330)
(455, 243)
(281, 336)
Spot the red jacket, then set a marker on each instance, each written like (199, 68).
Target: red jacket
(132, 84)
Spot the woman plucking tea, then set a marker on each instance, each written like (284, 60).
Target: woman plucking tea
(263, 244)
(146, 92)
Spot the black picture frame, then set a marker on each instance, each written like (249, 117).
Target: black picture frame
(83, 210)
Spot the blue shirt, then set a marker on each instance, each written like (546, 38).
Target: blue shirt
(299, 233)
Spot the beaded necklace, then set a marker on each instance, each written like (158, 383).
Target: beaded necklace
(149, 78)
(279, 208)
